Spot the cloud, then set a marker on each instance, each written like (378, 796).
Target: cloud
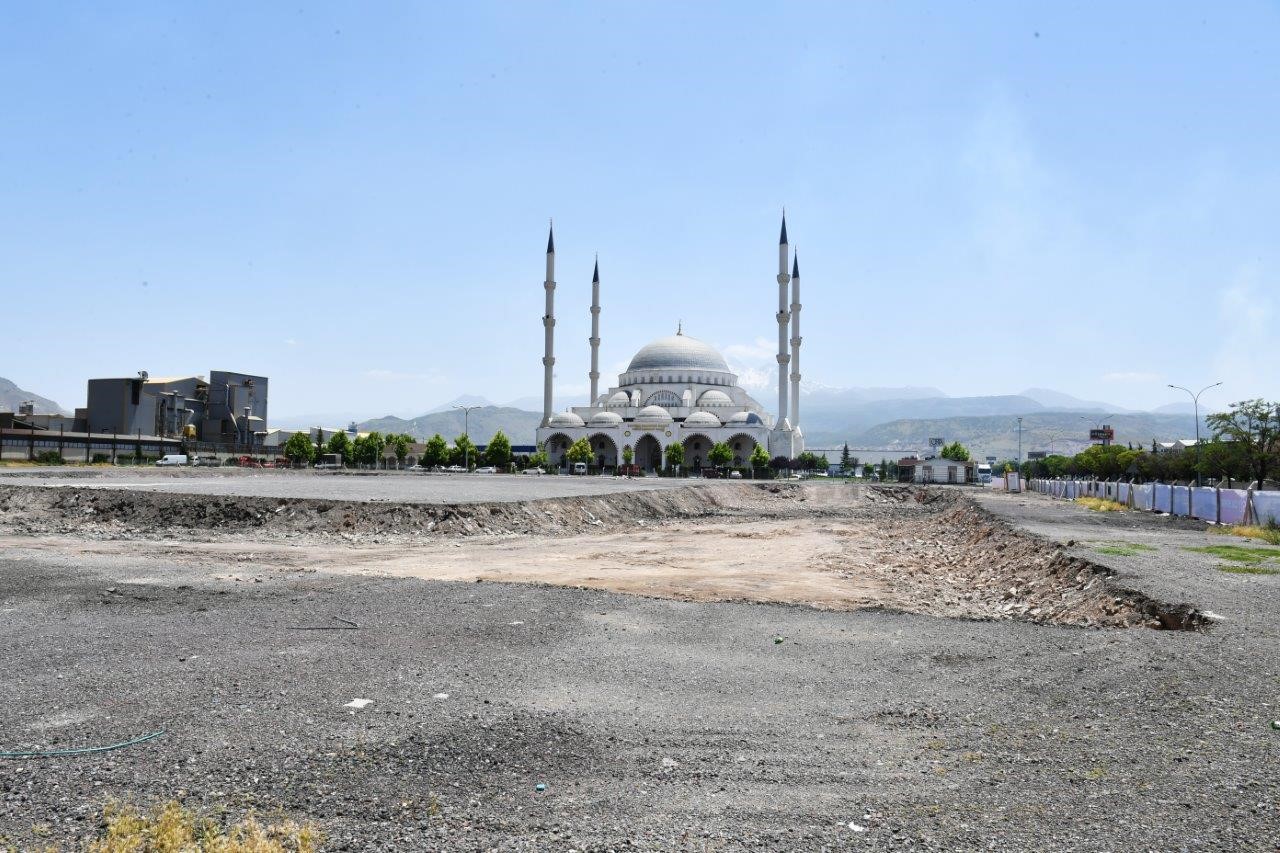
(1131, 376)
(290, 342)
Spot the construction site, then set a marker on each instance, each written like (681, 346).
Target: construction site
(470, 663)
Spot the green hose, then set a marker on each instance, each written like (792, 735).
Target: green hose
(57, 753)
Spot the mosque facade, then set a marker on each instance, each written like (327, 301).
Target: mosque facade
(677, 390)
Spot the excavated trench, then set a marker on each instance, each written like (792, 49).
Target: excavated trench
(932, 551)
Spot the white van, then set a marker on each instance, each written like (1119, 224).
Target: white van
(172, 459)
(580, 468)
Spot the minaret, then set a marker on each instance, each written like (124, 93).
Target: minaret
(595, 334)
(783, 316)
(795, 341)
(549, 324)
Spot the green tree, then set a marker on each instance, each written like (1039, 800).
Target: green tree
(847, 462)
(435, 453)
(340, 444)
(539, 459)
(464, 451)
(955, 451)
(498, 452)
(579, 451)
(720, 454)
(675, 454)
(1255, 426)
(628, 455)
(299, 448)
(400, 444)
(760, 457)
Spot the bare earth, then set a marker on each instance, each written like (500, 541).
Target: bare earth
(632, 671)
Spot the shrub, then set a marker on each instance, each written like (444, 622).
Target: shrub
(172, 827)
(50, 457)
(101, 458)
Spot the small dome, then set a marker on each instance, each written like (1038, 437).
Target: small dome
(606, 419)
(748, 418)
(702, 419)
(654, 414)
(714, 398)
(620, 399)
(565, 419)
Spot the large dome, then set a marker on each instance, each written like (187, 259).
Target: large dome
(678, 352)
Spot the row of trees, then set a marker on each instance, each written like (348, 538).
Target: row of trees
(1245, 446)
(369, 449)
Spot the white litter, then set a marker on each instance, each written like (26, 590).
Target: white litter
(358, 703)
(442, 695)
(856, 828)
(517, 622)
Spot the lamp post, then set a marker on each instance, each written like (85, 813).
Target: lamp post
(1019, 444)
(1195, 402)
(466, 432)
(1099, 424)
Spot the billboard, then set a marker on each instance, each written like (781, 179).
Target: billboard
(1037, 454)
(1104, 434)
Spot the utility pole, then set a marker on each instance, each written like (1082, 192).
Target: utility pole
(466, 432)
(1195, 402)
(1019, 445)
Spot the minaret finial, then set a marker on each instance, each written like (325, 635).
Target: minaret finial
(679, 327)
(795, 264)
(783, 239)
(551, 237)
(595, 276)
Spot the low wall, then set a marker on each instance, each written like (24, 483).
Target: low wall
(1221, 506)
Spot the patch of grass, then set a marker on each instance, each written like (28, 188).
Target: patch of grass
(1267, 533)
(1123, 549)
(1233, 569)
(171, 827)
(1239, 553)
(1101, 505)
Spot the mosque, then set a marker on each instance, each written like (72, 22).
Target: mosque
(676, 390)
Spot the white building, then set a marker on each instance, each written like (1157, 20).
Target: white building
(677, 390)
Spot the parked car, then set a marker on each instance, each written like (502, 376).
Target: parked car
(580, 468)
(456, 469)
(735, 475)
(531, 471)
(488, 469)
(171, 459)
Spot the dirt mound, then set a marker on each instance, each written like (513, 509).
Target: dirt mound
(942, 554)
(94, 512)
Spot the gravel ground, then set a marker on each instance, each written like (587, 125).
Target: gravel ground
(653, 725)
(391, 486)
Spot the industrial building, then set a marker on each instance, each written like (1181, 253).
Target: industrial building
(145, 415)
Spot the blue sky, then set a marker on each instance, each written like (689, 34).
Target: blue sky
(353, 199)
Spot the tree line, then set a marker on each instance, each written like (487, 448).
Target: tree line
(369, 449)
(1244, 447)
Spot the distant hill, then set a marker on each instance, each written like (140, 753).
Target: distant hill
(997, 435)
(11, 396)
(827, 421)
(1051, 399)
(518, 425)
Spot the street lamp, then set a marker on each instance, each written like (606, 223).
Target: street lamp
(466, 432)
(1099, 424)
(1019, 444)
(1195, 402)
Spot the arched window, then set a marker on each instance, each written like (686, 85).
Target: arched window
(663, 398)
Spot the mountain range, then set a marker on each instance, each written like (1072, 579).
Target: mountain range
(11, 396)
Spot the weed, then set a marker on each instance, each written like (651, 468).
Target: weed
(1123, 549)
(1246, 570)
(172, 827)
(1095, 773)
(1239, 553)
(1101, 505)
(1270, 532)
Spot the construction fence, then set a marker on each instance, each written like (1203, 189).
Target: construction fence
(1208, 503)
